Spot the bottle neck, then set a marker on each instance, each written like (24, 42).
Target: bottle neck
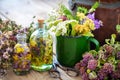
(21, 38)
(21, 41)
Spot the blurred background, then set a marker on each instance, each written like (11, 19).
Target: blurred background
(22, 11)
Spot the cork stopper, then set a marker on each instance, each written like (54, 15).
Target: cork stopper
(41, 22)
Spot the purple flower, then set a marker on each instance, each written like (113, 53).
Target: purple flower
(108, 68)
(87, 57)
(77, 66)
(82, 70)
(96, 22)
(92, 64)
(116, 75)
(109, 49)
(118, 66)
(118, 55)
(101, 74)
(85, 76)
(91, 16)
(83, 63)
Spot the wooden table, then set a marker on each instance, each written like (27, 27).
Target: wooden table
(22, 12)
(33, 75)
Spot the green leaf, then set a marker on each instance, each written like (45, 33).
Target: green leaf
(94, 7)
(65, 11)
(113, 37)
(88, 34)
(53, 23)
(118, 28)
(82, 10)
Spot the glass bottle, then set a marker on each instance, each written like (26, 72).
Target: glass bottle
(41, 48)
(21, 56)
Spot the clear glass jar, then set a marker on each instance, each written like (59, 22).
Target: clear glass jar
(21, 56)
(41, 49)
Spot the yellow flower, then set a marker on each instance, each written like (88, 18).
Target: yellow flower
(17, 45)
(89, 23)
(88, 71)
(28, 56)
(19, 50)
(15, 57)
(78, 28)
(33, 43)
(86, 29)
(81, 15)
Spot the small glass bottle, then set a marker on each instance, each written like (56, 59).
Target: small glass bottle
(41, 49)
(21, 56)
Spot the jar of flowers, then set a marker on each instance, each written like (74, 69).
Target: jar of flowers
(73, 32)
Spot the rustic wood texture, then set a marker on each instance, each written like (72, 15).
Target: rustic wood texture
(22, 12)
(33, 75)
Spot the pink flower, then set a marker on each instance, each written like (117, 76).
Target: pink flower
(92, 64)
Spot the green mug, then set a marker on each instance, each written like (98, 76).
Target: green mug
(69, 50)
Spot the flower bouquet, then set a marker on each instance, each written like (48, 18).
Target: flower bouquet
(73, 32)
(82, 23)
(101, 65)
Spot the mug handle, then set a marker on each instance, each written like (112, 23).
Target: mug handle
(93, 40)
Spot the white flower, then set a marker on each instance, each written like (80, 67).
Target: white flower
(92, 75)
(6, 55)
(62, 27)
(9, 49)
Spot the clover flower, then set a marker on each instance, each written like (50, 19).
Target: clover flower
(105, 67)
(118, 55)
(108, 68)
(101, 74)
(85, 76)
(88, 56)
(92, 64)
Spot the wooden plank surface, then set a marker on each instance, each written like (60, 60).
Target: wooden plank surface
(22, 12)
(33, 75)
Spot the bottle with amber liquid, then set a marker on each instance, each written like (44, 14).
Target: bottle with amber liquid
(41, 48)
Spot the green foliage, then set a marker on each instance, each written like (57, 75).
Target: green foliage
(82, 10)
(112, 40)
(94, 7)
(53, 23)
(118, 28)
(65, 11)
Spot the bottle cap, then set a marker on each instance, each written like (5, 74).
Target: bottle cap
(41, 21)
